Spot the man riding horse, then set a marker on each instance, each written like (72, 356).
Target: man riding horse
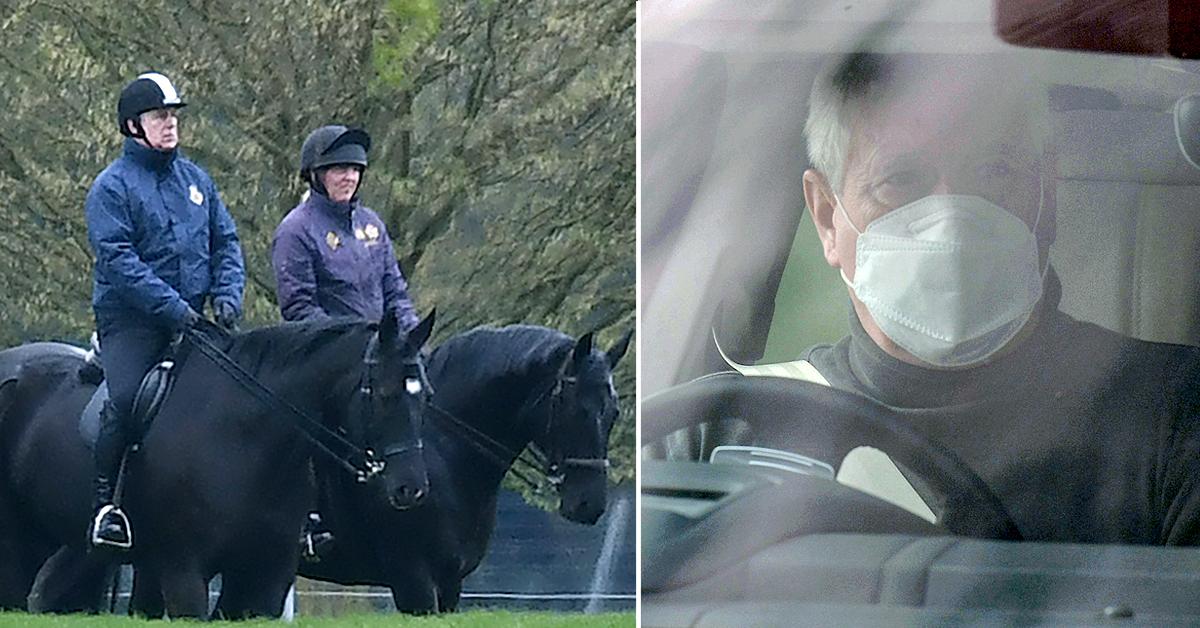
(164, 245)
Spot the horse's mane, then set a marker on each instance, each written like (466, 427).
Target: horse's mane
(279, 346)
(486, 353)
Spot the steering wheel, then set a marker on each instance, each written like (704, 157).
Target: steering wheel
(826, 423)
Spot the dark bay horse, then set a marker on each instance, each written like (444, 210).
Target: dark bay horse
(221, 484)
(495, 392)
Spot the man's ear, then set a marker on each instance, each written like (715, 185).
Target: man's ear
(818, 195)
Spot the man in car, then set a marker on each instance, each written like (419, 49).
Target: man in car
(932, 193)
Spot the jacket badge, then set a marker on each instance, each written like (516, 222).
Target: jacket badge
(195, 195)
(359, 234)
(371, 231)
(333, 240)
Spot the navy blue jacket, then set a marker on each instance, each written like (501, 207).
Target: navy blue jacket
(336, 259)
(163, 239)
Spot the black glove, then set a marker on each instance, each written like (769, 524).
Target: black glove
(227, 315)
(190, 319)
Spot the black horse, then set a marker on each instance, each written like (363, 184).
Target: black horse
(221, 484)
(495, 392)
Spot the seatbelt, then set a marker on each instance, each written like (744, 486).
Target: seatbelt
(865, 468)
(802, 370)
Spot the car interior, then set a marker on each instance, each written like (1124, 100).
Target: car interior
(732, 275)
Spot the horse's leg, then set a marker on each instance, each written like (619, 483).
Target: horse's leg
(254, 594)
(71, 581)
(19, 561)
(230, 604)
(185, 592)
(414, 591)
(15, 580)
(257, 586)
(20, 554)
(17, 571)
(449, 591)
(146, 599)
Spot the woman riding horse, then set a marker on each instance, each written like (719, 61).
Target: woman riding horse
(332, 255)
(495, 392)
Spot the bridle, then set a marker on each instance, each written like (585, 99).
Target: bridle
(362, 462)
(552, 467)
(557, 467)
(414, 376)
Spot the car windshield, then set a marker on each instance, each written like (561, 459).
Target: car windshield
(995, 246)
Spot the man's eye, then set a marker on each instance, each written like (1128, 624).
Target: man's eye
(901, 187)
(902, 179)
(999, 168)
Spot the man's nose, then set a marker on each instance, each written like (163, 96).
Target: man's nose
(947, 185)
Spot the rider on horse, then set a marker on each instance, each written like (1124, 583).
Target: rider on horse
(332, 255)
(164, 245)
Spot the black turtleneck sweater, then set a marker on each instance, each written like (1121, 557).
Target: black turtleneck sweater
(1084, 434)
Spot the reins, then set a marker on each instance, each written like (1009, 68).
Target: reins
(500, 454)
(362, 462)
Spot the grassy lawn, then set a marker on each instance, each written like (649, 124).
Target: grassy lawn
(470, 619)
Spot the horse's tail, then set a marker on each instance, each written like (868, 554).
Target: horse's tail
(8, 395)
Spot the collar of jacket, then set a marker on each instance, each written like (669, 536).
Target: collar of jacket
(150, 158)
(337, 210)
(899, 384)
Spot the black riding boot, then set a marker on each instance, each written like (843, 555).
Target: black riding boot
(109, 528)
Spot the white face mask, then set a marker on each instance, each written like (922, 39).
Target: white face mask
(950, 279)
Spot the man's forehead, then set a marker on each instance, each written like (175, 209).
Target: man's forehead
(948, 108)
(948, 124)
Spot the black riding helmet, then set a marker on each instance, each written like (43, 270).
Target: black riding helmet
(333, 145)
(147, 92)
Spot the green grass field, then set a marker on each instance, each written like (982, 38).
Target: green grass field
(470, 619)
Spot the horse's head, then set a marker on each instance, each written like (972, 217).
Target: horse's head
(583, 408)
(396, 392)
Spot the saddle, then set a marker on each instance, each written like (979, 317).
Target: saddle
(153, 390)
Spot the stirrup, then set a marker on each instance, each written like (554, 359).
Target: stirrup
(106, 511)
(315, 544)
(308, 550)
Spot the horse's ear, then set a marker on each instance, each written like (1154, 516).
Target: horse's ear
(613, 355)
(583, 348)
(389, 327)
(420, 334)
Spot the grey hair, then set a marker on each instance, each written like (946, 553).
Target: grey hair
(845, 88)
